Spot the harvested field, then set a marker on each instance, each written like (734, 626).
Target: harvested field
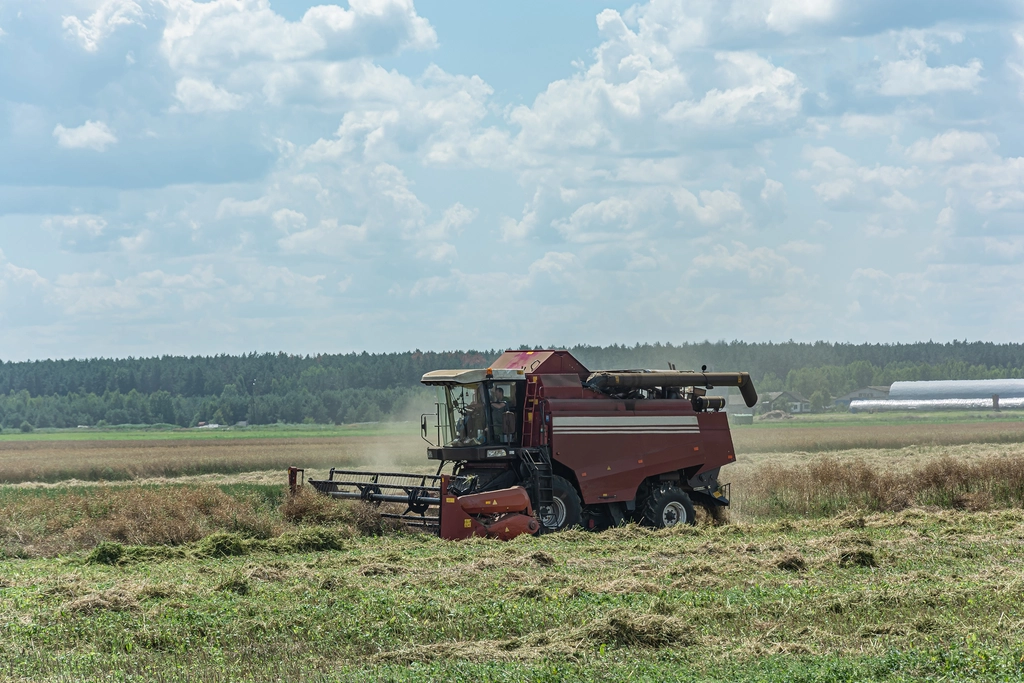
(179, 511)
(46, 522)
(871, 563)
(828, 485)
(889, 458)
(60, 460)
(56, 460)
(768, 484)
(841, 436)
(901, 596)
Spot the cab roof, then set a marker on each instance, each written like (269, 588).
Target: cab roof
(469, 376)
(513, 365)
(542, 362)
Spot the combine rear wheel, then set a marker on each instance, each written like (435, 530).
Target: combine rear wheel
(667, 506)
(565, 510)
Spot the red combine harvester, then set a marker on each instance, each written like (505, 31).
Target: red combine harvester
(538, 443)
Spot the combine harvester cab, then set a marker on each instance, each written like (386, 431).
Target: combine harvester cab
(538, 443)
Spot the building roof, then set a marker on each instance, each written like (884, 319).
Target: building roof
(957, 388)
(853, 394)
(771, 396)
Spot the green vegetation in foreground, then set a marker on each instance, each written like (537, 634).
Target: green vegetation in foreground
(891, 597)
(149, 433)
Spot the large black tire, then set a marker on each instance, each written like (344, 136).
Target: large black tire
(567, 508)
(668, 505)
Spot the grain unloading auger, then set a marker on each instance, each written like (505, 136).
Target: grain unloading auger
(538, 443)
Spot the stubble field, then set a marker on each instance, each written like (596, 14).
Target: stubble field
(880, 550)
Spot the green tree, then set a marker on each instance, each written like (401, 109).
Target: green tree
(161, 407)
(819, 401)
(862, 373)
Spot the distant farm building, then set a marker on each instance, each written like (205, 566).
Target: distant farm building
(875, 393)
(976, 394)
(736, 407)
(735, 404)
(787, 401)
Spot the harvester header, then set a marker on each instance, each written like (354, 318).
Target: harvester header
(537, 443)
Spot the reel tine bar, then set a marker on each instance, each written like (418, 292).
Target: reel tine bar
(418, 492)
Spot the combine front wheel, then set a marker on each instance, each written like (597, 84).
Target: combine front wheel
(668, 506)
(565, 510)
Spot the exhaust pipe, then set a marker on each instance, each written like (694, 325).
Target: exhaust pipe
(604, 381)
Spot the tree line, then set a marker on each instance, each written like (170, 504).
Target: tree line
(364, 387)
(22, 410)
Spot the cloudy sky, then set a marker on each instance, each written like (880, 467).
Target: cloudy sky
(239, 175)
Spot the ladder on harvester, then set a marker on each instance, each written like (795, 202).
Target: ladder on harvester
(530, 411)
(539, 464)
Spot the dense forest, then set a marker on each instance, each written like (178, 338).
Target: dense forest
(346, 388)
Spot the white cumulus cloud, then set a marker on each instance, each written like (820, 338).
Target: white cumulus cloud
(992, 185)
(760, 266)
(762, 94)
(617, 183)
(94, 135)
(287, 220)
(868, 124)
(514, 231)
(454, 219)
(789, 16)
(328, 237)
(87, 224)
(92, 30)
(953, 145)
(221, 33)
(841, 183)
(913, 77)
(195, 96)
(714, 206)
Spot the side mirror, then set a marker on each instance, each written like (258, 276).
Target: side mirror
(423, 425)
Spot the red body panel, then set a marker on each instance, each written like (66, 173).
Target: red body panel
(542, 363)
(612, 446)
(455, 523)
(514, 499)
(503, 514)
(509, 526)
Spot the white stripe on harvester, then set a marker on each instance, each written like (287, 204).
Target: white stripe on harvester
(628, 431)
(562, 432)
(627, 424)
(628, 421)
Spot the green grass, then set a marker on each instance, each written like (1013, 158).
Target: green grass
(909, 596)
(237, 593)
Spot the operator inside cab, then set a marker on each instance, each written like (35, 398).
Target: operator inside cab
(502, 416)
(475, 421)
